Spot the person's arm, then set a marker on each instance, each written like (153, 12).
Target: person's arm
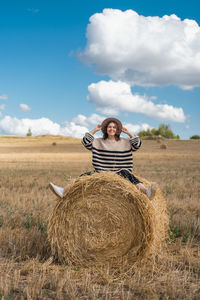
(97, 128)
(134, 139)
(89, 138)
(131, 135)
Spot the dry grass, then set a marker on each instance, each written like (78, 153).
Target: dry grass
(27, 270)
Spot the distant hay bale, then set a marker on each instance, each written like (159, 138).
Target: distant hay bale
(163, 146)
(105, 219)
(54, 144)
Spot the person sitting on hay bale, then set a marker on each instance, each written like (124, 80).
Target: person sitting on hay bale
(111, 153)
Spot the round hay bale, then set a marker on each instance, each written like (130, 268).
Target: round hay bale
(54, 144)
(163, 146)
(105, 219)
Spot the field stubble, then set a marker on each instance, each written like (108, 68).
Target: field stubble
(27, 270)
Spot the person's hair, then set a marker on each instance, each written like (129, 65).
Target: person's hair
(117, 134)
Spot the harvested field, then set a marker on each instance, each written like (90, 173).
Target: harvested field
(27, 269)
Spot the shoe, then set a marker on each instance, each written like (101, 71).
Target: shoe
(151, 190)
(57, 190)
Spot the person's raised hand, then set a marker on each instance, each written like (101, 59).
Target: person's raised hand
(124, 130)
(127, 132)
(98, 127)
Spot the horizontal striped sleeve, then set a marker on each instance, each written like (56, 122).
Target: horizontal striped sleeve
(135, 143)
(87, 141)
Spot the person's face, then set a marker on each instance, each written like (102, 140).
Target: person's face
(111, 129)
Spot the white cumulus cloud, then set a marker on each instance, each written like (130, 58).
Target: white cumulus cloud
(94, 119)
(75, 128)
(24, 107)
(2, 106)
(80, 120)
(110, 96)
(145, 51)
(137, 127)
(3, 97)
(14, 126)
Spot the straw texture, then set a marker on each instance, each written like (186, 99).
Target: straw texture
(105, 219)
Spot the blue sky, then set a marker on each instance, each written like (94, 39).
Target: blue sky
(55, 79)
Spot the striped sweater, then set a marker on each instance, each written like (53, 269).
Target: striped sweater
(111, 155)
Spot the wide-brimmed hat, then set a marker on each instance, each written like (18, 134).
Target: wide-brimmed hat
(107, 121)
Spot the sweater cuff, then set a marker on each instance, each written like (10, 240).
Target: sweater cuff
(89, 136)
(135, 141)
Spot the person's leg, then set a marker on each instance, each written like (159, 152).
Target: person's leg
(131, 178)
(150, 191)
(57, 190)
(140, 186)
(62, 191)
(67, 186)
